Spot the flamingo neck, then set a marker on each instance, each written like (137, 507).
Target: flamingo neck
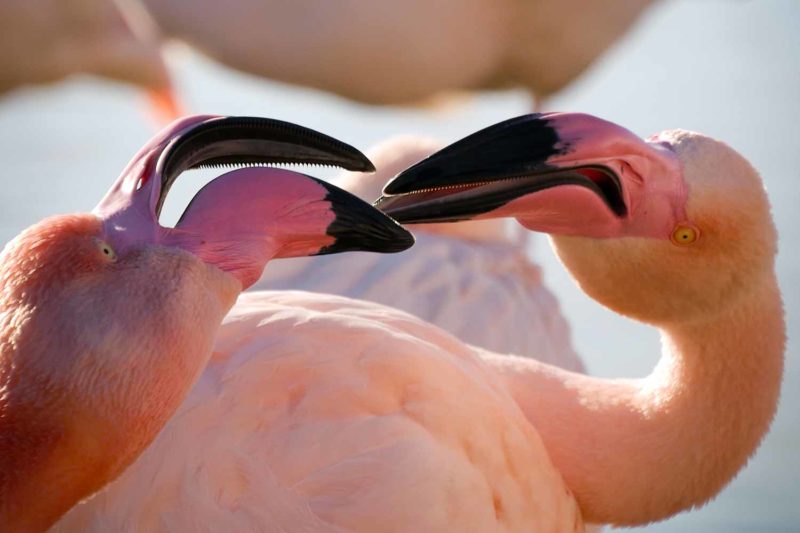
(636, 451)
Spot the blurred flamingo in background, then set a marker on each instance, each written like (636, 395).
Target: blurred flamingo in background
(397, 53)
(325, 413)
(473, 279)
(48, 40)
(107, 319)
(403, 52)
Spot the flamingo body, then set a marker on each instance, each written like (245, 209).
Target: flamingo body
(487, 294)
(407, 426)
(404, 51)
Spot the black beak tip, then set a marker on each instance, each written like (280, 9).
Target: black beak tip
(405, 180)
(360, 227)
(361, 163)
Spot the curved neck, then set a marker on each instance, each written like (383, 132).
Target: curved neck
(636, 451)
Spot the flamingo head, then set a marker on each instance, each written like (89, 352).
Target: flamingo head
(669, 228)
(107, 318)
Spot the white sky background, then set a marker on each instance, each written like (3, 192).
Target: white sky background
(727, 68)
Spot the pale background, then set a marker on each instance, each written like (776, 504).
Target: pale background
(727, 68)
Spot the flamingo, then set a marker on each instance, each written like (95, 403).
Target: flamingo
(319, 412)
(107, 318)
(472, 279)
(46, 41)
(674, 232)
(403, 52)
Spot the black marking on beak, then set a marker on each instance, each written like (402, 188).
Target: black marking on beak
(360, 227)
(253, 141)
(517, 146)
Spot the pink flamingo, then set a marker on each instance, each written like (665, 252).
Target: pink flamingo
(324, 413)
(403, 51)
(48, 40)
(473, 279)
(107, 319)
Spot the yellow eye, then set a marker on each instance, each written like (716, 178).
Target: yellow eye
(684, 234)
(107, 251)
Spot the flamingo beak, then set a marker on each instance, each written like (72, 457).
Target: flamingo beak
(559, 173)
(246, 217)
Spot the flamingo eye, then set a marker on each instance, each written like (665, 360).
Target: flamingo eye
(685, 234)
(106, 251)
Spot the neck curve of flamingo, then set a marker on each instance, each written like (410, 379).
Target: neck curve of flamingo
(674, 232)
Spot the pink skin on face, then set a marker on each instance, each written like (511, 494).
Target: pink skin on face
(128, 208)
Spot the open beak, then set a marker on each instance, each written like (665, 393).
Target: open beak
(245, 217)
(561, 172)
(234, 141)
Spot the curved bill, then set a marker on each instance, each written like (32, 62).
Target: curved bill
(488, 170)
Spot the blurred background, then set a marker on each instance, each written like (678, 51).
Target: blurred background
(729, 69)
